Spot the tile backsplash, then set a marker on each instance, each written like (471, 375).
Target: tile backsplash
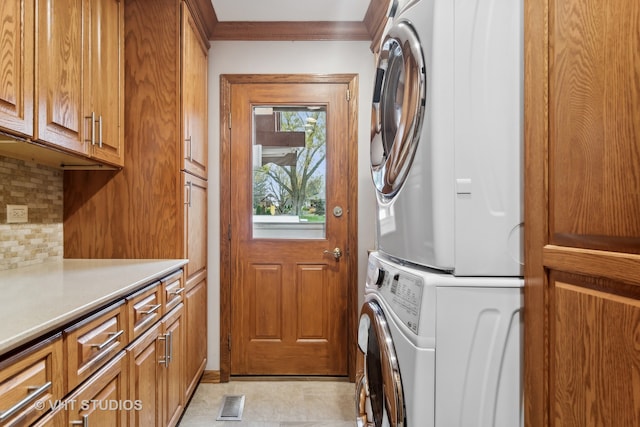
(40, 188)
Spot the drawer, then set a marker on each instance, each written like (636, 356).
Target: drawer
(30, 378)
(173, 289)
(144, 308)
(93, 341)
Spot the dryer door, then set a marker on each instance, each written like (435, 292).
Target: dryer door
(379, 394)
(397, 109)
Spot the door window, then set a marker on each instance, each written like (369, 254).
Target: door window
(397, 109)
(289, 172)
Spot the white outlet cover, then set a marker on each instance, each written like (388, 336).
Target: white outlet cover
(17, 214)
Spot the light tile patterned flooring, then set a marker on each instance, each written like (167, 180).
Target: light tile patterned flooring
(299, 403)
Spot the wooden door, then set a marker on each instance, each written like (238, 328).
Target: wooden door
(194, 96)
(289, 295)
(17, 35)
(104, 78)
(582, 294)
(59, 77)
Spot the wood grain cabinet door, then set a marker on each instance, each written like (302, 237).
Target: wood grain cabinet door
(16, 62)
(59, 62)
(195, 231)
(104, 78)
(582, 292)
(194, 97)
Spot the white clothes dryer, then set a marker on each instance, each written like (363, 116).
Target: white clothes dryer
(446, 139)
(438, 350)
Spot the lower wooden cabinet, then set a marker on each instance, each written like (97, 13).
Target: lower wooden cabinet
(155, 370)
(121, 369)
(174, 385)
(29, 381)
(102, 400)
(195, 301)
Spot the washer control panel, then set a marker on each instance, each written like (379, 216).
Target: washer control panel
(401, 290)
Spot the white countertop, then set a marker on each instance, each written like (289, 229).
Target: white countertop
(38, 299)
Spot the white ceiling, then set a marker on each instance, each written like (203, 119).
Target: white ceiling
(290, 10)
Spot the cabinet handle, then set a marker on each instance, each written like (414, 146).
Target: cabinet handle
(93, 127)
(170, 345)
(152, 310)
(100, 131)
(190, 156)
(113, 336)
(189, 186)
(83, 423)
(177, 291)
(35, 392)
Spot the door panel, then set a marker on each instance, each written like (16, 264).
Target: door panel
(59, 63)
(282, 288)
(16, 53)
(104, 78)
(581, 213)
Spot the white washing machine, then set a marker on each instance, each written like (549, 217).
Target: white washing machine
(439, 350)
(446, 138)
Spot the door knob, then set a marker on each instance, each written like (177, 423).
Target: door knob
(336, 252)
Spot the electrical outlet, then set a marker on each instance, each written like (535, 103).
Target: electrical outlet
(17, 214)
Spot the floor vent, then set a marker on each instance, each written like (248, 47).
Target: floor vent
(232, 407)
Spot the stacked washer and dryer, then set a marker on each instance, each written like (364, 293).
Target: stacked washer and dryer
(440, 333)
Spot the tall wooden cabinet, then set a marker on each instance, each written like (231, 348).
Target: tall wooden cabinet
(582, 293)
(156, 206)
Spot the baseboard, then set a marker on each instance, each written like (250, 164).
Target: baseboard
(210, 377)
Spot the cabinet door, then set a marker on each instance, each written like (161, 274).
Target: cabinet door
(59, 61)
(16, 62)
(195, 231)
(174, 377)
(102, 399)
(196, 331)
(194, 96)
(146, 357)
(104, 79)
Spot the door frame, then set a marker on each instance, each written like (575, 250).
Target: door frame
(226, 82)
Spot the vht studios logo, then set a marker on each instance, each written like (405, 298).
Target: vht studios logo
(90, 405)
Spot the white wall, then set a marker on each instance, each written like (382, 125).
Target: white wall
(286, 58)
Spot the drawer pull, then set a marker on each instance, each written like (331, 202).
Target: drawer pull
(113, 336)
(177, 291)
(35, 392)
(152, 310)
(83, 423)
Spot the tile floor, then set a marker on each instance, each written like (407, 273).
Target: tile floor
(298, 403)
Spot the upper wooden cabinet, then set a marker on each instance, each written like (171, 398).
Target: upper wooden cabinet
(194, 97)
(62, 79)
(79, 85)
(16, 65)
(104, 79)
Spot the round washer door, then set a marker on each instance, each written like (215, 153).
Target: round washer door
(379, 394)
(398, 109)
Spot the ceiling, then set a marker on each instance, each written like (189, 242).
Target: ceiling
(290, 10)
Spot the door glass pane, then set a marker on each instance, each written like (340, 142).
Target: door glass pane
(289, 172)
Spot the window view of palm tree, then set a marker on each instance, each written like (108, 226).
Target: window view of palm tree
(289, 153)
